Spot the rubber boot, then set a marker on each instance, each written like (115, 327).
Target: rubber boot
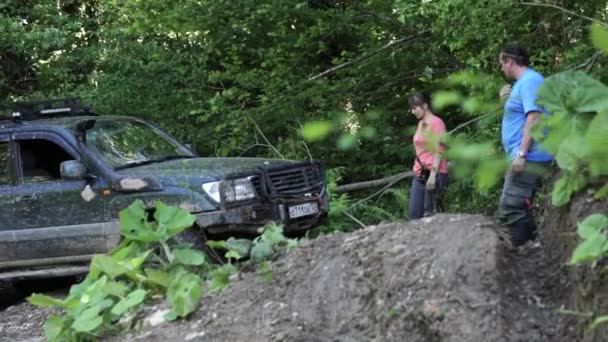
(520, 231)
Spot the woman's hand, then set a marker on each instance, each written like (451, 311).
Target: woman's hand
(430, 183)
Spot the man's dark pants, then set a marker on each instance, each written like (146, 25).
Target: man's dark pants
(515, 207)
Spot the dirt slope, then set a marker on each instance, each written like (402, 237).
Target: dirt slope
(437, 279)
(446, 278)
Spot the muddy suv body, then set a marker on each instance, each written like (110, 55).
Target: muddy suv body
(65, 175)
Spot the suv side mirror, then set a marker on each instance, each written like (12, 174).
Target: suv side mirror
(73, 170)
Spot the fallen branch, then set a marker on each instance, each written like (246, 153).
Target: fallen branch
(355, 219)
(373, 183)
(462, 125)
(364, 57)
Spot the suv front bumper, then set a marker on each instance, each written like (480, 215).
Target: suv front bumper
(249, 218)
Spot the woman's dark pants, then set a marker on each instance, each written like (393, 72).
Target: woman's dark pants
(424, 202)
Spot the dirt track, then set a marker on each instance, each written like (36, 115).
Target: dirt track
(447, 278)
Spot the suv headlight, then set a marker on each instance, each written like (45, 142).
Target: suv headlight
(213, 190)
(232, 190)
(239, 189)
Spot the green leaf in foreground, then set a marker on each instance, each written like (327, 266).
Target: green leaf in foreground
(172, 220)
(158, 277)
(316, 130)
(184, 294)
(264, 272)
(53, 327)
(590, 249)
(261, 251)
(189, 256)
(46, 301)
(599, 37)
(240, 246)
(592, 225)
(89, 320)
(220, 277)
(132, 299)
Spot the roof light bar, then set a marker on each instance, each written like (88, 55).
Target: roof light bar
(55, 110)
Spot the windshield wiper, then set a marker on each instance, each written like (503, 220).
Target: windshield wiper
(151, 161)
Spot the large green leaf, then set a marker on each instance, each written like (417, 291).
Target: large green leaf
(240, 246)
(316, 130)
(273, 233)
(189, 256)
(116, 288)
(590, 249)
(592, 225)
(219, 279)
(184, 294)
(108, 265)
(158, 277)
(599, 36)
(134, 224)
(261, 251)
(172, 220)
(572, 150)
(565, 187)
(132, 299)
(88, 321)
(46, 301)
(53, 327)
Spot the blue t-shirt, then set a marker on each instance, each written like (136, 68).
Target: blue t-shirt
(522, 101)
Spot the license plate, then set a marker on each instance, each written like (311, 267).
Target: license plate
(303, 209)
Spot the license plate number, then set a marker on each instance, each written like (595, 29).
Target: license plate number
(303, 209)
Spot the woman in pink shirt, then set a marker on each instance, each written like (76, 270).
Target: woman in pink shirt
(430, 170)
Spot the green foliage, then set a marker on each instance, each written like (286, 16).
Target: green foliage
(593, 232)
(118, 283)
(575, 133)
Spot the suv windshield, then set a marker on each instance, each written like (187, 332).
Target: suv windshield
(127, 143)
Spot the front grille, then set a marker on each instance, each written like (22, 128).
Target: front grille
(290, 180)
(295, 179)
(257, 184)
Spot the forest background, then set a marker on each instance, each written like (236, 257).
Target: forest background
(297, 79)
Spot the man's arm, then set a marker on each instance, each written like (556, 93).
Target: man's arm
(526, 140)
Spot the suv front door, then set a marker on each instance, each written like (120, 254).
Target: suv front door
(57, 217)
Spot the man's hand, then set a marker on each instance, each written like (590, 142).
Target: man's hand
(518, 164)
(430, 183)
(504, 92)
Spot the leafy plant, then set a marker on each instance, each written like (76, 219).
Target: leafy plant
(148, 262)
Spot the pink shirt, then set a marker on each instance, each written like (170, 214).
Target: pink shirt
(437, 127)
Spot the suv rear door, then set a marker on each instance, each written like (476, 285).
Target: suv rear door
(56, 218)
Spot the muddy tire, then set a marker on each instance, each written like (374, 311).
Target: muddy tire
(9, 293)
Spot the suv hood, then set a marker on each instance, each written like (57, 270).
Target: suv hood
(207, 169)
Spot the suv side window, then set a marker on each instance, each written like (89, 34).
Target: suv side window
(5, 177)
(40, 160)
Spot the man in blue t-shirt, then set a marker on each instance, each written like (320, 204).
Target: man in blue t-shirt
(528, 160)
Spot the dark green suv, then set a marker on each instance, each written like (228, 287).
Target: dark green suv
(65, 173)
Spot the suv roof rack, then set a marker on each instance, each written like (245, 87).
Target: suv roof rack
(50, 108)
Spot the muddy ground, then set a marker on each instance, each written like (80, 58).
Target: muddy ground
(446, 278)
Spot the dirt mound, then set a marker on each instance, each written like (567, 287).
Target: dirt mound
(436, 279)
(445, 278)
